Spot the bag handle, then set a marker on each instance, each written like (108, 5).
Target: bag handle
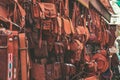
(74, 15)
(91, 20)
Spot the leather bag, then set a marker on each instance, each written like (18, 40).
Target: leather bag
(76, 46)
(67, 26)
(81, 33)
(44, 10)
(95, 27)
(102, 62)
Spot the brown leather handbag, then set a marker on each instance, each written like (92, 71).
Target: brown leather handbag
(44, 10)
(82, 33)
(95, 27)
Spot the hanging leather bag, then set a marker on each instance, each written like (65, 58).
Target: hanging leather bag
(94, 27)
(102, 62)
(44, 10)
(76, 46)
(67, 26)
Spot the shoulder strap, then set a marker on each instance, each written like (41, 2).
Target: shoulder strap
(73, 15)
(22, 12)
(59, 20)
(23, 56)
(72, 27)
(67, 8)
(15, 59)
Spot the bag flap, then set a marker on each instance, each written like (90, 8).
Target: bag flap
(67, 26)
(80, 30)
(48, 9)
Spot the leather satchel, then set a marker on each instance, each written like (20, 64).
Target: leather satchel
(44, 10)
